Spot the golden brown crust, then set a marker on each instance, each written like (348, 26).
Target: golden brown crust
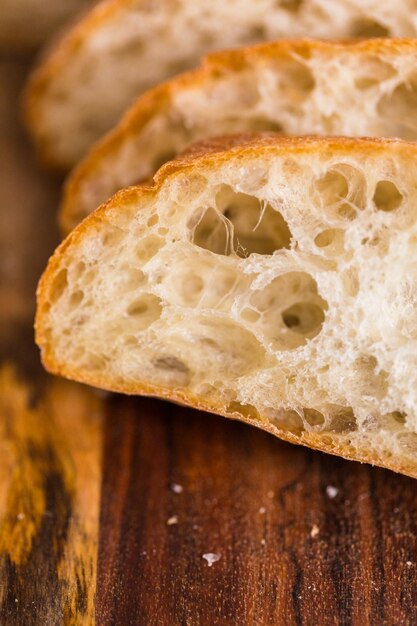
(211, 154)
(63, 49)
(158, 99)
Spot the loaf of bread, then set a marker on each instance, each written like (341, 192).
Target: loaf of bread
(266, 279)
(299, 87)
(126, 46)
(27, 24)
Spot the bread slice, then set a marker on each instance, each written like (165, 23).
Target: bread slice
(267, 279)
(126, 46)
(299, 87)
(27, 24)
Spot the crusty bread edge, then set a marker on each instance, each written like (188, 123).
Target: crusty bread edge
(51, 60)
(207, 153)
(157, 100)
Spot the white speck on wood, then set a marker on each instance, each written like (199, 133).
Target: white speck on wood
(177, 488)
(211, 557)
(172, 520)
(314, 531)
(331, 491)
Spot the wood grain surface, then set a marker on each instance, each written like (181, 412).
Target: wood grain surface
(110, 506)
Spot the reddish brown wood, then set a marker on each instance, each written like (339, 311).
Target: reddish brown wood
(290, 554)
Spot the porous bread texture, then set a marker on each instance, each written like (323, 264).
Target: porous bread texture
(299, 87)
(126, 46)
(26, 24)
(272, 282)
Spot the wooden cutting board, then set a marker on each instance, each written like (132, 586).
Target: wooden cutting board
(111, 508)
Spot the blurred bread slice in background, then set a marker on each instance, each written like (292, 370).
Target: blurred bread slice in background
(124, 47)
(268, 279)
(27, 24)
(296, 87)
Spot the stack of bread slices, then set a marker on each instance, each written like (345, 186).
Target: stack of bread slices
(244, 237)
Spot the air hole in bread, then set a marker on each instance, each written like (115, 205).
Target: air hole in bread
(291, 311)
(250, 315)
(313, 417)
(245, 93)
(331, 239)
(293, 6)
(95, 362)
(399, 416)
(247, 410)
(207, 283)
(228, 348)
(212, 232)
(154, 219)
(297, 79)
(350, 281)
(373, 72)
(148, 247)
(59, 285)
(89, 277)
(387, 196)
(112, 237)
(171, 371)
(78, 271)
(395, 421)
(341, 419)
(252, 226)
(304, 318)
(408, 442)
(398, 109)
(369, 28)
(75, 299)
(342, 189)
(134, 278)
(171, 363)
(242, 225)
(286, 420)
(258, 32)
(130, 340)
(145, 310)
(189, 289)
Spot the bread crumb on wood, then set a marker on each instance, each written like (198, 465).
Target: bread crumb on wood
(177, 488)
(314, 531)
(172, 520)
(211, 557)
(331, 491)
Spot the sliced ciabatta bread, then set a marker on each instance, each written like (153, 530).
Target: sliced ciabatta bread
(126, 46)
(272, 281)
(27, 24)
(300, 87)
